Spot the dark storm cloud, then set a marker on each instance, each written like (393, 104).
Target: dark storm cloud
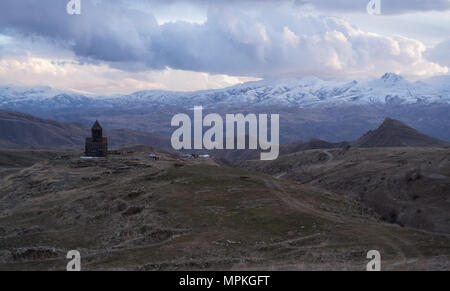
(232, 41)
(106, 30)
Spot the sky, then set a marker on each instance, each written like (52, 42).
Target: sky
(122, 46)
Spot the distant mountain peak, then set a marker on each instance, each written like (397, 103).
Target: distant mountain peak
(391, 77)
(394, 133)
(389, 122)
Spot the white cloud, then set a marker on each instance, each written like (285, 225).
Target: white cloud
(275, 40)
(103, 80)
(440, 53)
(290, 38)
(119, 46)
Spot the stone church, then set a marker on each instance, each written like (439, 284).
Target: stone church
(97, 145)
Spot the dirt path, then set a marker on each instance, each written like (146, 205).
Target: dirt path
(279, 192)
(280, 175)
(398, 244)
(330, 155)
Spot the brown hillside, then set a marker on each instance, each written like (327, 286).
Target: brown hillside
(24, 130)
(393, 133)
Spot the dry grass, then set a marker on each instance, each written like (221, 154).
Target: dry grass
(130, 212)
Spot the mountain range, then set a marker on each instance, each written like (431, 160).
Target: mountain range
(296, 92)
(308, 107)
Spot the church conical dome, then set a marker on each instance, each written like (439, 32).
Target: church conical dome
(97, 131)
(96, 125)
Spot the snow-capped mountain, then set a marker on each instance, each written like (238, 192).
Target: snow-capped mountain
(304, 93)
(440, 83)
(15, 97)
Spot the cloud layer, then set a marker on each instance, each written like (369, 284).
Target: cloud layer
(388, 6)
(357, 6)
(440, 53)
(104, 80)
(270, 40)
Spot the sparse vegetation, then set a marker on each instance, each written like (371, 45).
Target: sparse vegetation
(141, 214)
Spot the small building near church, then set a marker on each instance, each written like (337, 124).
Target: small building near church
(97, 145)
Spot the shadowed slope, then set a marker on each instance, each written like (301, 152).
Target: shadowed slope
(393, 133)
(24, 130)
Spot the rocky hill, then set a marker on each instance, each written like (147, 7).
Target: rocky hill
(23, 130)
(393, 133)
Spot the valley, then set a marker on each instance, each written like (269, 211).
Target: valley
(322, 205)
(128, 212)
